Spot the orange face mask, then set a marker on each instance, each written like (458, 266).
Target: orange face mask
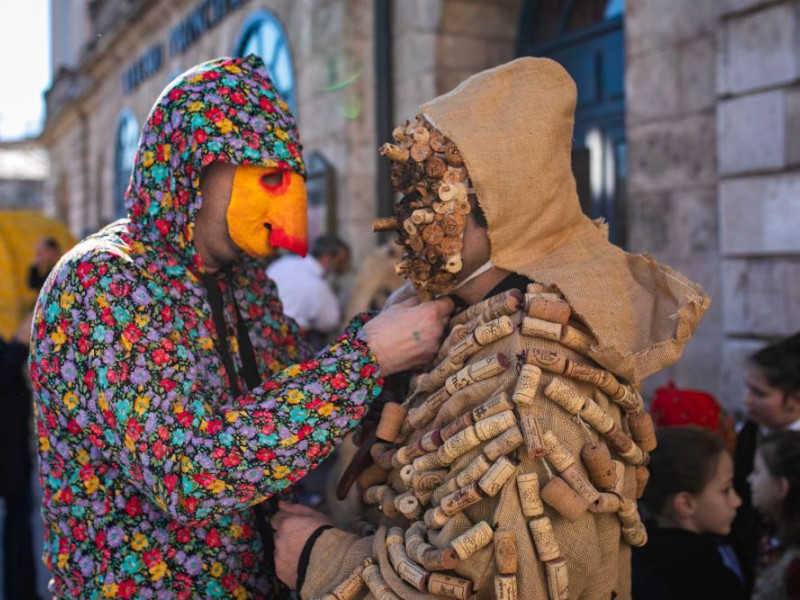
(263, 217)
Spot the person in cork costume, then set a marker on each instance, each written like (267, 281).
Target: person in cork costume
(513, 466)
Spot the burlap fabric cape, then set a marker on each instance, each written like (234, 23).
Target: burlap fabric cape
(513, 126)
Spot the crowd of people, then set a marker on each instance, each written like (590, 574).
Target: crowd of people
(183, 390)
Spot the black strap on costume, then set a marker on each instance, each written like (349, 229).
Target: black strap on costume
(253, 380)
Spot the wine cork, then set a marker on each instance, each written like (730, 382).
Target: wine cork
(403, 457)
(529, 495)
(493, 426)
(606, 503)
(409, 507)
(497, 476)
(619, 477)
(382, 455)
(547, 308)
(419, 416)
(494, 330)
(566, 395)
(505, 303)
(392, 417)
(584, 372)
(408, 570)
(473, 471)
(424, 496)
(479, 371)
(635, 535)
(373, 494)
(395, 535)
(430, 441)
(548, 360)
(498, 403)
(461, 499)
(642, 432)
(505, 587)
(544, 539)
(628, 512)
(576, 340)
(456, 425)
(642, 477)
(541, 329)
(435, 518)
(458, 445)
(351, 587)
(448, 487)
(450, 586)
(541, 289)
(597, 460)
(457, 333)
(385, 224)
(566, 501)
(505, 443)
(557, 454)
(505, 552)
(531, 434)
(558, 579)
(407, 474)
(595, 416)
(427, 462)
(631, 401)
(472, 540)
(617, 440)
(527, 385)
(427, 481)
(436, 378)
(372, 475)
(387, 506)
(633, 455)
(464, 349)
(376, 583)
(578, 482)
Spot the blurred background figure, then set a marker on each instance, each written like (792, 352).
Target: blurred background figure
(48, 251)
(305, 290)
(375, 280)
(692, 504)
(772, 402)
(775, 489)
(16, 463)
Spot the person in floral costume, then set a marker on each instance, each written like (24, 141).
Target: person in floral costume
(172, 396)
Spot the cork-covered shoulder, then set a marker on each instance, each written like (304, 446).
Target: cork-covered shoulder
(513, 467)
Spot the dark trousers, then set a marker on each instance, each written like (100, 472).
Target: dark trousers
(19, 571)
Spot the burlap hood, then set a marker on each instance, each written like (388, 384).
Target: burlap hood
(513, 125)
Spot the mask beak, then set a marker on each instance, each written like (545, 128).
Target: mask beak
(264, 215)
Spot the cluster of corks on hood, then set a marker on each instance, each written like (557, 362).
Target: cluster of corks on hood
(429, 172)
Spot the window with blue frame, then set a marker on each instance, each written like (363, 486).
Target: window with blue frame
(263, 35)
(124, 155)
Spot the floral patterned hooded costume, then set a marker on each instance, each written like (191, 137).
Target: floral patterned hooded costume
(149, 462)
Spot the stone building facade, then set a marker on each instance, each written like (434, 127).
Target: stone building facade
(23, 171)
(684, 135)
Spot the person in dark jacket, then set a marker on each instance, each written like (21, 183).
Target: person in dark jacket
(15, 466)
(692, 501)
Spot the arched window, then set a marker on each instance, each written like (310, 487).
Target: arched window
(586, 37)
(124, 155)
(263, 35)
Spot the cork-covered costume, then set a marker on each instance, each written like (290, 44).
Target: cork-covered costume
(513, 467)
(162, 415)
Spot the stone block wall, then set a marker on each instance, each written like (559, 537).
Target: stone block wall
(670, 103)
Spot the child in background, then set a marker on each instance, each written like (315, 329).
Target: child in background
(772, 400)
(691, 499)
(775, 486)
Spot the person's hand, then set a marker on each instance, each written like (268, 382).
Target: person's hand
(293, 525)
(401, 294)
(408, 334)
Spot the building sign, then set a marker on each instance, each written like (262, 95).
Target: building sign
(201, 19)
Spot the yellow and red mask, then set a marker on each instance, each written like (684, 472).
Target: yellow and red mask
(263, 217)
